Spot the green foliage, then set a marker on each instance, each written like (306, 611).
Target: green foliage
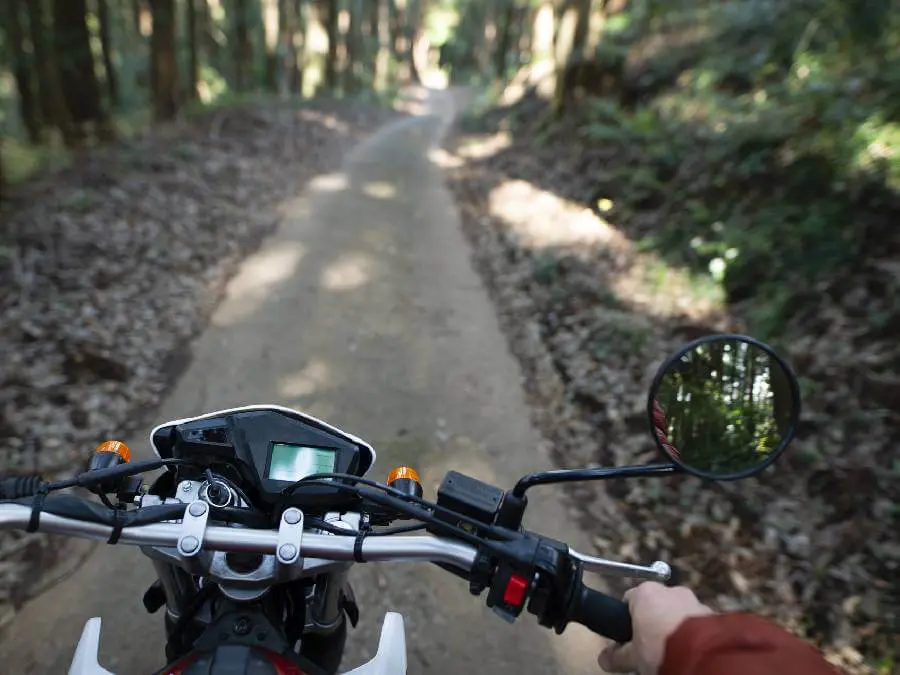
(768, 133)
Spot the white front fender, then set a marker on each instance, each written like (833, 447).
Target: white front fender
(85, 661)
(391, 656)
(390, 659)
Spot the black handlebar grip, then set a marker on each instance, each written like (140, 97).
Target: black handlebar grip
(602, 614)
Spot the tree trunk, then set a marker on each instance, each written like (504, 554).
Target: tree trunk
(383, 58)
(395, 23)
(353, 76)
(243, 50)
(300, 51)
(287, 21)
(506, 11)
(112, 81)
(206, 32)
(570, 42)
(413, 30)
(272, 19)
(136, 9)
(22, 68)
(76, 63)
(190, 9)
(331, 29)
(163, 64)
(53, 103)
(371, 31)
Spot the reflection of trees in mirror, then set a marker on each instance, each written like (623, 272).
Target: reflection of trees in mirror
(727, 406)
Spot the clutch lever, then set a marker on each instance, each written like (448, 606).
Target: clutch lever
(658, 571)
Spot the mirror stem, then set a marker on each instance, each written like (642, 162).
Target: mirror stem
(598, 473)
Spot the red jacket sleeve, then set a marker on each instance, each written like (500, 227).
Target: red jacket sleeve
(739, 644)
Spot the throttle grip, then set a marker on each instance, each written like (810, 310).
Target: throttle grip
(602, 614)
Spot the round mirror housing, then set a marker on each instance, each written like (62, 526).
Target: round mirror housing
(724, 407)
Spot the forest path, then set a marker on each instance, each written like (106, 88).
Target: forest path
(362, 309)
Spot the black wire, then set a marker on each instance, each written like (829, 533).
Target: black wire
(177, 634)
(321, 524)
(320, 479)
(428, 516)
(397, 530)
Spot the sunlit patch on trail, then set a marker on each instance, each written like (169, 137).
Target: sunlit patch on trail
(325, 119)
(542, 221)
(349, 271)
(444, 159)
(332, 182)
(256, 281)
(380, 189)
(308, 381)
(486, 146)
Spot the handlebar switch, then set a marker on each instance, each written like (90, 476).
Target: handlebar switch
(510, 590)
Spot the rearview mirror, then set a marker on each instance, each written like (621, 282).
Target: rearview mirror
(724, 407)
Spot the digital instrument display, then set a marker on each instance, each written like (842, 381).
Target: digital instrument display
(293, 462)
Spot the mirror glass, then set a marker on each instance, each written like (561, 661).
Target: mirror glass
(725, 407)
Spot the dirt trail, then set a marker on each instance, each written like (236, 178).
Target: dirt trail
(364, 310)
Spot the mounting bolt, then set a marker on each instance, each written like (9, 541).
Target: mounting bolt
(186, 486)
(190, 544)
(291, 516)
(197, 509)
(242, 626)
(287, 552)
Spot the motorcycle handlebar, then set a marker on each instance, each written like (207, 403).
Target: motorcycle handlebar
(602, 614)
(218, 538)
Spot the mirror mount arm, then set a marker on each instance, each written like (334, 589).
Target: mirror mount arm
(598, 473)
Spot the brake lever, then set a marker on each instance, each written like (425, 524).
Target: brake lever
(658, 571)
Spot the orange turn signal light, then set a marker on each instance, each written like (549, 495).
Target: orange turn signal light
(117, 448)
(403, 472)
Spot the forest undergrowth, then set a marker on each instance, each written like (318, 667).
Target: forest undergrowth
(604, 249)
(109, 268)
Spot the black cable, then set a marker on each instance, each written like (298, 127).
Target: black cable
(427, 516)
(320, 524)
(175, 638)
(397, 530)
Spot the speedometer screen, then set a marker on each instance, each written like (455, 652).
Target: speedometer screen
(293, 462)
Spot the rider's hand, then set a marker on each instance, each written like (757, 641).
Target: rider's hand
(656, 611)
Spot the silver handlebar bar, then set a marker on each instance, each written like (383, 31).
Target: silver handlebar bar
(375, 549)
(218, 538)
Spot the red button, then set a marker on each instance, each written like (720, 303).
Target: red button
(516, 588)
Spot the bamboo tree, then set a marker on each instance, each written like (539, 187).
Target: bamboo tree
(23, 71)
(163, 63)
(112, 80)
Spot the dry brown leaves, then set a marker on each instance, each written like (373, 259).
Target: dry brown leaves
(813, 544)
(107, 270)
